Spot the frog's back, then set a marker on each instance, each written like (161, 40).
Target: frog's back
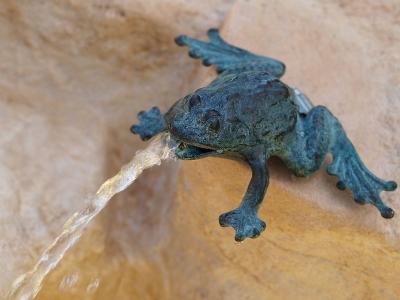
(256, 106)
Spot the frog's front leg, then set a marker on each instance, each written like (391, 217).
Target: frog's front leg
(151, 123)
(244, 219)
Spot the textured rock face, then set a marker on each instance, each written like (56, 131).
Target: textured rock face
(74, 75)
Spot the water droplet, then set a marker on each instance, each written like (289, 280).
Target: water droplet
(92, 286)
(69, 281)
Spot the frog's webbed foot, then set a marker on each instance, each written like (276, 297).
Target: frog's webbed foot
(151, 123)
(244, 221)
(353, 174)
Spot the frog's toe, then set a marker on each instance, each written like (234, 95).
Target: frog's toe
(245, 222)
(142, 131)
(354, 175)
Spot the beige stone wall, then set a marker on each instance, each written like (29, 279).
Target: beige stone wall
(75, 73)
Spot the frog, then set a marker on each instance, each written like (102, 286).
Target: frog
(248, 113)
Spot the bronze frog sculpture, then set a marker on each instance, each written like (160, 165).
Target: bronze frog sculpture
(248, 113)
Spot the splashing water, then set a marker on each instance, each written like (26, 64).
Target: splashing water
(29, 284)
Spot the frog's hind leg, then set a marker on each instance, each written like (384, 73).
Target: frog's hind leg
(319, 133)
(353, 174)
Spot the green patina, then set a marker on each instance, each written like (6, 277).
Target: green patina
(248, 113)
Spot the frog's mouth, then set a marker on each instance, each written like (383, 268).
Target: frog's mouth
(191, 151)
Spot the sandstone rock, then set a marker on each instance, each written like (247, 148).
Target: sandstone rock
(74, 75)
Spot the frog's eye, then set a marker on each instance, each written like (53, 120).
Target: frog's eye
(212, 118)
(211, 114)
(214, 124)
(193, 101)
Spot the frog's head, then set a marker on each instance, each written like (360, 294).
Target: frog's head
(198, 126)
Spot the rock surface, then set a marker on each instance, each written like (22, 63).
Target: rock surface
(75, 73)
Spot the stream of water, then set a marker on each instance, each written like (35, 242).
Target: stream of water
(29, 284)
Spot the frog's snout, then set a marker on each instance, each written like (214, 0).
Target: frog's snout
(177, 125)
(180, 123)
(174, 128)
